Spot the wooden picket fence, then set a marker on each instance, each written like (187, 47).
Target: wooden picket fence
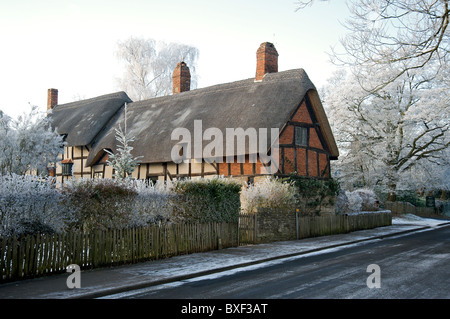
(338, 224)
(247, 229)
(39, 255)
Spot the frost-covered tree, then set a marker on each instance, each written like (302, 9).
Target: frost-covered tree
(387, 134)
(430, 175)
(28, 143)
(149, 66)
(390, 112)
(402, 34)
(123, 161)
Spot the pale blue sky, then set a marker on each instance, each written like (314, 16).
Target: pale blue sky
(69, 45)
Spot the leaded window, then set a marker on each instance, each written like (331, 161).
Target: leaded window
(301, 136)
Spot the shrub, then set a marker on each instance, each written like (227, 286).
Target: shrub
(154, 203)
(99, 203)
(268, 193)
(357, 201)
(312, 193)
(30, 204)
(208, 200)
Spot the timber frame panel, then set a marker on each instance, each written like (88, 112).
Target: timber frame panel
(312, 160)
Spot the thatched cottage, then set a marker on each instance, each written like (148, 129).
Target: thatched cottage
(286, 101)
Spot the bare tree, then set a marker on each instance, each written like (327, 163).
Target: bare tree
(149, 66)
(302, 4)
(404, 34)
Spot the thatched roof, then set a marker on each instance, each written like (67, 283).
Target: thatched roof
(81, 121)
(243, 104)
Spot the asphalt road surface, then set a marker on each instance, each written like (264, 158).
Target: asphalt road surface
(416, 265)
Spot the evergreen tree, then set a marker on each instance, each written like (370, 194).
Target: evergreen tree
(123, 162)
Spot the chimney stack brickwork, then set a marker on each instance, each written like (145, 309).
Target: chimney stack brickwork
(52, 98)
(266, 60)
(181, 78)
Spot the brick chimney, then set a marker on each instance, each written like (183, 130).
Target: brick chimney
(266, 60)
(52, 98)
(181, 78)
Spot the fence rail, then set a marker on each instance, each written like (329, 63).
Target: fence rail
(338, 224)
(39, 255)
(271, 225)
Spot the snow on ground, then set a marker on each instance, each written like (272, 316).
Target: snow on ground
(412, 219)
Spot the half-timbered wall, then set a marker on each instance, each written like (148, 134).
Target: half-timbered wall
(169, 171)
(302, 150)
(77, 156)
(307, 159)
(246, 169)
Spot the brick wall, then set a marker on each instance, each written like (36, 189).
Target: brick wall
(278, 225)
(275, 225)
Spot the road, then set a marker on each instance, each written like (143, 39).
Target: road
(410, 266)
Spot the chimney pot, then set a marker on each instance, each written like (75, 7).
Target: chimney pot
(52, 98)
(266, 60)
(181, 78)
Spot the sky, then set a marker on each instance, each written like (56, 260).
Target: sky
(70, 45)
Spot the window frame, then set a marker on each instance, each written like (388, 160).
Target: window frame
(67, 169)
(301, 139)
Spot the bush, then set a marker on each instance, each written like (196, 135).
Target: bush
(99, 203)
(410, 196)
(269, 193)
(312, 193)
(357, 201)
(154, 203)
(208, 200)
(30, 204)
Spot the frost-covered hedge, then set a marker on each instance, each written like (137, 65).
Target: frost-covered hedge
(106, 203)
(268, 193)
(29, 204)
(312, 196)
(208, 200)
